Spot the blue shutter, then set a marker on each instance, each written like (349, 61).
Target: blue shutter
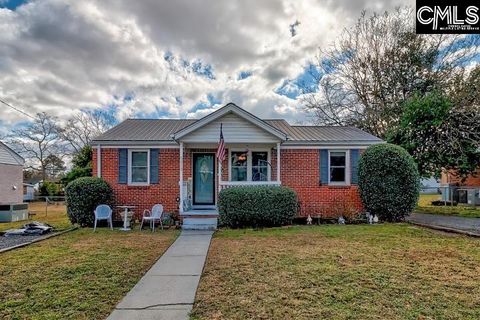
(154, 166)
(324, 166)
(122, 166)
(354, 155)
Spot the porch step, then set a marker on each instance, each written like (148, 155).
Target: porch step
(200, 224)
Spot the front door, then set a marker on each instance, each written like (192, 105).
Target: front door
(203, 178)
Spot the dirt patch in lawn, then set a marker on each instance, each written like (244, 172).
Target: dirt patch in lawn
(340, 272)
(78, 275)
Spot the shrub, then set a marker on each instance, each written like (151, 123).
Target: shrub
(48, 188)
(389, 182)
(257, 206)
(83, 195)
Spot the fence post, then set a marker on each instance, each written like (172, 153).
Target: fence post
(46, 206)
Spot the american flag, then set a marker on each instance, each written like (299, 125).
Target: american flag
(221, 146)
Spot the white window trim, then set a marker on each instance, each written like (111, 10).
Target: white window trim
(130, 167)
(347, 168)
(249, 163)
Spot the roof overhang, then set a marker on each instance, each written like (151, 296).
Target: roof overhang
(230, 108)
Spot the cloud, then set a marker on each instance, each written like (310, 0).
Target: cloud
(162, 58)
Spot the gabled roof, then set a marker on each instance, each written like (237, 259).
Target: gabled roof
(150, 131)
(8, 156)
(230, 108)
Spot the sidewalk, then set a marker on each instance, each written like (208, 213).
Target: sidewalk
(469, 226)
(167, 290)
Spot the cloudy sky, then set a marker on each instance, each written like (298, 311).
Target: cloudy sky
(157, 59)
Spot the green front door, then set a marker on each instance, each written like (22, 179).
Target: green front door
(203, 178)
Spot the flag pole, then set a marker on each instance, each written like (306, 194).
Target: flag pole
(220, 166)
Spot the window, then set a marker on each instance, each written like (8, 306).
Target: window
(250, 165)
(260, 166)
(239, 166)
(139, 167)
(338, 168)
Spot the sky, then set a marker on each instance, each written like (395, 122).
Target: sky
(164, 59)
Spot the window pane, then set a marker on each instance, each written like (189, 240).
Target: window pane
(337, 159)
(260, 173)
(337, 174)
(239, 173)
(239, 159)
(259, 159)
(139, 174)
(139, 159)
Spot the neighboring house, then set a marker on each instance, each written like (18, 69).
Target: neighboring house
(11, 173)
(173, 162)
(28, 192)
(467, 192)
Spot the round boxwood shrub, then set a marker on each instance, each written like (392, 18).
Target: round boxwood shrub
(257, 206)
(389, 181)
(83, 195)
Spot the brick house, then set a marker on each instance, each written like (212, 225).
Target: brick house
(173, 162)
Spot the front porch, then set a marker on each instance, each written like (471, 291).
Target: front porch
(203, 177)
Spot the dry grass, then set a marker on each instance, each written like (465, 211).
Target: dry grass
(340, 272)
(78, 275)
(425, 206)
(54, 214)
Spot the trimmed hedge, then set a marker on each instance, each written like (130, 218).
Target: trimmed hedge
(389, 182)
(83, 195)
(257, 206)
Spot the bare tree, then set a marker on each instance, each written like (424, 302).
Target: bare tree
(37, 141)
(366, 75)
(82, 127)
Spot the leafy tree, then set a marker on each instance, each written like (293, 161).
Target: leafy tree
(439, 135)
(82, 165)
(372, 68)
(54, 166)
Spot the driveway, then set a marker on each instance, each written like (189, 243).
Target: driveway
(461, 224)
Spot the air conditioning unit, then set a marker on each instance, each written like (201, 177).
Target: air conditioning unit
(469, 196)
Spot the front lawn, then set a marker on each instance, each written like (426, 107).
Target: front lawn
(425, 206)
(78, 275)
(390, 271)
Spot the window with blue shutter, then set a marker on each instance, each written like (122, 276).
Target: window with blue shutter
(324, 166)
(122, 166)
(154, 165)
(354, 156)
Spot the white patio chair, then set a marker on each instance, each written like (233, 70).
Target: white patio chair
(103, 212)
(154, 215)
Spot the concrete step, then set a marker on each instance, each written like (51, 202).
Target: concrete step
(200, 224)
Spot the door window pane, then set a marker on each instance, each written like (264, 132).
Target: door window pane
(239, 166)
(337, 166)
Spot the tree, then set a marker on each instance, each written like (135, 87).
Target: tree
(37, 141)
(82, 165)
(54, 166)
(439, 135)
(366, 75)
(82, 127)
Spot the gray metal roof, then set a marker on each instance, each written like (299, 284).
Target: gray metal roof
(322, 133)
(145, 130)
(8, 156)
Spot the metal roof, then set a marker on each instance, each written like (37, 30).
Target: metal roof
(8, 156)
(161, 130)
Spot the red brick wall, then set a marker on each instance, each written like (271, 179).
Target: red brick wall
(471, 181)
(299, 171)
(144, 197)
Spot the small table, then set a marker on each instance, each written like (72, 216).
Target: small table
(125, 217)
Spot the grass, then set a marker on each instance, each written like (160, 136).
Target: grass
(78, 275)
(56, 215)
(425, 206)
(389, 271)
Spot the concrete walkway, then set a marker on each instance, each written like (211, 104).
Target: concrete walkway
(469, 226)
(167, 290)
